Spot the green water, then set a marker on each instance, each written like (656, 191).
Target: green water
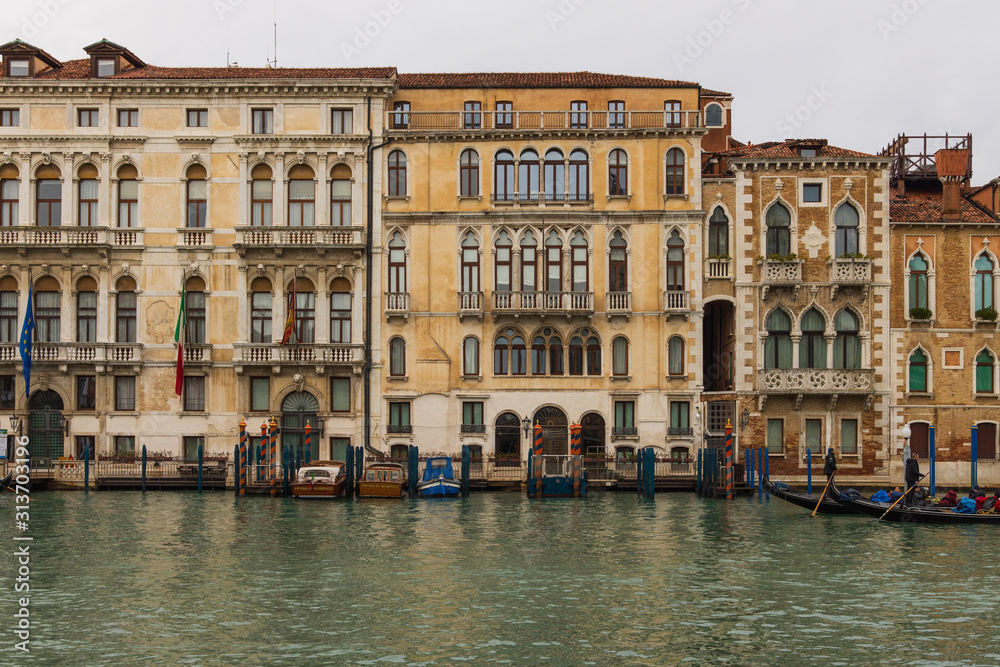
(120, 578)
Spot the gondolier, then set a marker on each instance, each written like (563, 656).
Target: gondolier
(831, 463)
(911, 475)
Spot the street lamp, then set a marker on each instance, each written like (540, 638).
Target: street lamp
(906, 432)
(526, 424)
(15, 424)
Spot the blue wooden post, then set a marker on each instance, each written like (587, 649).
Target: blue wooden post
(86, 468)
(530, 478)
(414, 464)
(767, 468)
(974, 454)
(349, 465)
(359, 465)
(930, 445)
(466, 462)
(638, 472)
(236, 470)
(289, 471)
(697, 478)
(809, 470)
(750, 479)
(144, 468)
(200, 465)
(651, 467)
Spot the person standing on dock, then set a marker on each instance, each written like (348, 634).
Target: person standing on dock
(831, 463)
(911, 475)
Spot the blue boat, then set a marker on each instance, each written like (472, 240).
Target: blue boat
(439, 479)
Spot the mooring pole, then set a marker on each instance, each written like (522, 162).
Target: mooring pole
(308, 451)
(574, 451)
(974, 455)
(539, 461)
(697, 475)
(273, 453)
(767, 469)
(466, 462)
(930, 444)
(809, 470)
(749, 460)
(86, 468)
(729, 460)
(262, 452)
(201, 464)
(236, 470)
(242, 458)
(144, 468)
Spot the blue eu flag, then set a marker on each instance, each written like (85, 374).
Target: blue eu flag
(27, 333)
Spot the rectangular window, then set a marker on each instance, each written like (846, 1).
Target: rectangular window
(505, 119)
(338, 448)
(6, 392)
(399, 415)
(195, 307)
(197, 210)
(128, 118)
(578, 119)
(10, 117)
(848, 436)
(473, 118)
(814, 436)
(47, 317)
(616, 114)
(261, 202)
(197, 117)
(194, 393)
(624, 417)
(87, 205)
(400, 115)
(680, 415)
(87, 118)
(9, 331)
(125, 393)
(128, 203)
(260, 317)
(191, 445)
(775, 436)
(472, 417)
(86, 317)
(19, 67)
(8, 202)
(106, 67)
(86, 392)
(340, 317)
(340, 394)
(263, 121)
(341, 121)
(812, 193)
(807, 152)
(85, 446)
(125, 445)
(260, 394)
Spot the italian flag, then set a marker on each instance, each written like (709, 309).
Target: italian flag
(179, 339)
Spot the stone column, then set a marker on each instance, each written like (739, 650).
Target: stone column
(322, 199)
(278, 193)
(104, 195)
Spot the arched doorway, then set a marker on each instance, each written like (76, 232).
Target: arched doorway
(592, 445)
(555, 435)
(297, 410)
(507, 439)
(45, 426)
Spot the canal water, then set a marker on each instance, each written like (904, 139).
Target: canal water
(121, 578)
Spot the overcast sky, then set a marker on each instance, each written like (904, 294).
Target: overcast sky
(856, 72)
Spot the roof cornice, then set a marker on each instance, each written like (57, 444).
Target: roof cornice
(165, 87)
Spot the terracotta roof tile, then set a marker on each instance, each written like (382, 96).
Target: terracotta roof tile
(925, 206)
(80, 69)
(705, 92)
(536, 80)
(779, 149)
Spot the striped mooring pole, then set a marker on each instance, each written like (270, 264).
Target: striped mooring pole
(262, 452)
(729, 460)
(273, 456)
(241, 478)
(539, 461)
(575, 452)
(308, 451)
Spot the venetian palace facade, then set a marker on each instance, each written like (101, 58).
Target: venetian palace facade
(465, 254)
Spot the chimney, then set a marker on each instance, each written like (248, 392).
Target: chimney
(952, 170)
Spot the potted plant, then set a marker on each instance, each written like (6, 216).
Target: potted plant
(919, 313)
(986, 315)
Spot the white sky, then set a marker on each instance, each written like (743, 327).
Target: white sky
(870, 68)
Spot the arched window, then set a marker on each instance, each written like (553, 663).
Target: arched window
(86, 310)
(846, 221)
(260, 311)
(87, 188)
(340, 196)
(305, 310)
(918, 371)
(470, 263)
(675, 356)
(984, 373)
(509, 352)
(197, 196)
(675, 262)
(778, 344)
(301, 197)
(126, 311)
(195, 311)
(579, 176)
(718, 233)
(128, 196)
(503, 176)
(918, 281)
(528, 176)
(618, 265)
(675, 172)
(261, 196)
(9, 188)
(397, 264)
(578, 260)
(619, 356)
(504, 263)
(847, 345)
(617, 173)
(593, 353)
(340, 311)
(713, 115)
(47, 310)
(529, 262)
(555, 175)
(538, 356)
(9, 324)
(397, 357)
(984, 282)
(470, 356)
(779, 239)
(553, 262)
(812, 346)
(518, 356)
(556, 366)
(575, 356)
(468, 173)
(397, 174)
(48, 196)
(507, 439)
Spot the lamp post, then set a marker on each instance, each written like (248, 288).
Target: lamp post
(906, 432)
(15, 424)
(526, 425)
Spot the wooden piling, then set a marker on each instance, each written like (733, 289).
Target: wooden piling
(729, 460)
(144, 468)
(241, 475)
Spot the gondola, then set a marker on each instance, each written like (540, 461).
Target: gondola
(5, 483)
(930, 514)
(828, 506)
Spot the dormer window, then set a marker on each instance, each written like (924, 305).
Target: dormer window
(19, 67)
(807, 152)
(106, 67)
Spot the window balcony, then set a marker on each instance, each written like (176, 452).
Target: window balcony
(680, 431)
(543, 303)
(395, 429)
(278, 239)
(624, 431)
(124, 353)
(618, 303)
(62, 238)
(470, 303)
(76, 353)
(718, 268)
(473, 428)
(127, 237)
(830, 382)
(197, 353)
(850, 273)
(311, 354)
(779, 273)
(194, 238)
(676, 302)
(541, 198)
(397, 304)
(416, 122)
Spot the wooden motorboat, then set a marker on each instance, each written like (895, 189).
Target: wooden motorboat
(383, 480)
(320, 479)
(6, 482)
(926, 514)
(806, 500)
(439, 479)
